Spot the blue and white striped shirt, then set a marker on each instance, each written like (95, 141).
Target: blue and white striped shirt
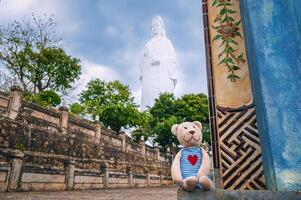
(191, 161)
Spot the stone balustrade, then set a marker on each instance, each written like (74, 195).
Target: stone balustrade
(51, 149)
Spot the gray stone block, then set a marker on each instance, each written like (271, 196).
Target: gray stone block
(237, 195)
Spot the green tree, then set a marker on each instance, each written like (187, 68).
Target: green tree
(169, 110)
(31, 51)
(194, 107)
(143, 127)
(112, 102)
(163, 116)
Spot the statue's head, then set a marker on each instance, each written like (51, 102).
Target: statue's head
(157, 28)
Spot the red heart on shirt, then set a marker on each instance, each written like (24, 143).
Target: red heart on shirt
(192, 159)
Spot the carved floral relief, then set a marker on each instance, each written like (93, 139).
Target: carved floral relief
(229, 63)
(227, 28)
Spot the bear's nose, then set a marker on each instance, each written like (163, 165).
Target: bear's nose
(192, 132)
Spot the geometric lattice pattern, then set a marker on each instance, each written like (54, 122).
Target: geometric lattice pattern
(240, 150)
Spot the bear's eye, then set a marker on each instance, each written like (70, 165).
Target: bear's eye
(185, 127)
(193, 126)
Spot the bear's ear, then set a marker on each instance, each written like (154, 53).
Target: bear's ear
(199, 124)
(174, 129)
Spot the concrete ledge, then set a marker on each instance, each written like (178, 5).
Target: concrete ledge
(237, 195)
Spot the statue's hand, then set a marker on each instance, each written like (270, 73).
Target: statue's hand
(175, 81)
(155, 62)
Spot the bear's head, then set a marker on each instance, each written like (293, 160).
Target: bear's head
(189, 134)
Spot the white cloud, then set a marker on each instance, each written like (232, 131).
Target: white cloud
(18, 9)
(13, 8)
(91, 71)
(128, 56)
(191, 73)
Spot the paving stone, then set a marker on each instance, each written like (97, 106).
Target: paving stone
(160, 193)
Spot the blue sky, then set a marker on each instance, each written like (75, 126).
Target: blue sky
(109, 35)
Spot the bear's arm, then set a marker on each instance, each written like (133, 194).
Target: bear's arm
(175, 168)
(205, 167)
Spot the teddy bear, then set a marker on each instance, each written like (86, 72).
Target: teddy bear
(191, 165)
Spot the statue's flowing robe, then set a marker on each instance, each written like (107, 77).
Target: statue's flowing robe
(158, 70)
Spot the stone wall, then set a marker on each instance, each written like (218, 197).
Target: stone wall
(49, 149)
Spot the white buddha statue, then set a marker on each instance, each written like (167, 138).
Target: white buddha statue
(158, 65)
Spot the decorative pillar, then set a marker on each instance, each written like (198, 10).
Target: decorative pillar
(16, 157)
(70, 174)
(105, 170)
(272, 33)
(97, 125)
(235, 139)
(123, 140)
(142, 145)
(16, 99)
(64, 117)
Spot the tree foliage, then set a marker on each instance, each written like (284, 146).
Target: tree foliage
(193, 107)
(31, 52)
(162, 118)
(112, 102)
(169, 110)
(45, 98)
(143, 128)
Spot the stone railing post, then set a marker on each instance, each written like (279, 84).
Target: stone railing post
(157, 150)
(97, 125)
(146, 170)
(142, 145)
(131, 180)
(161, 177)
(169, 156)
(64, 118)
(105, 170)
(16, 99)
(123, 140)
(70, 164)
(16, 166)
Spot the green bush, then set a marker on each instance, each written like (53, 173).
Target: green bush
(77, 109)
(45, 98)
(50, 97)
